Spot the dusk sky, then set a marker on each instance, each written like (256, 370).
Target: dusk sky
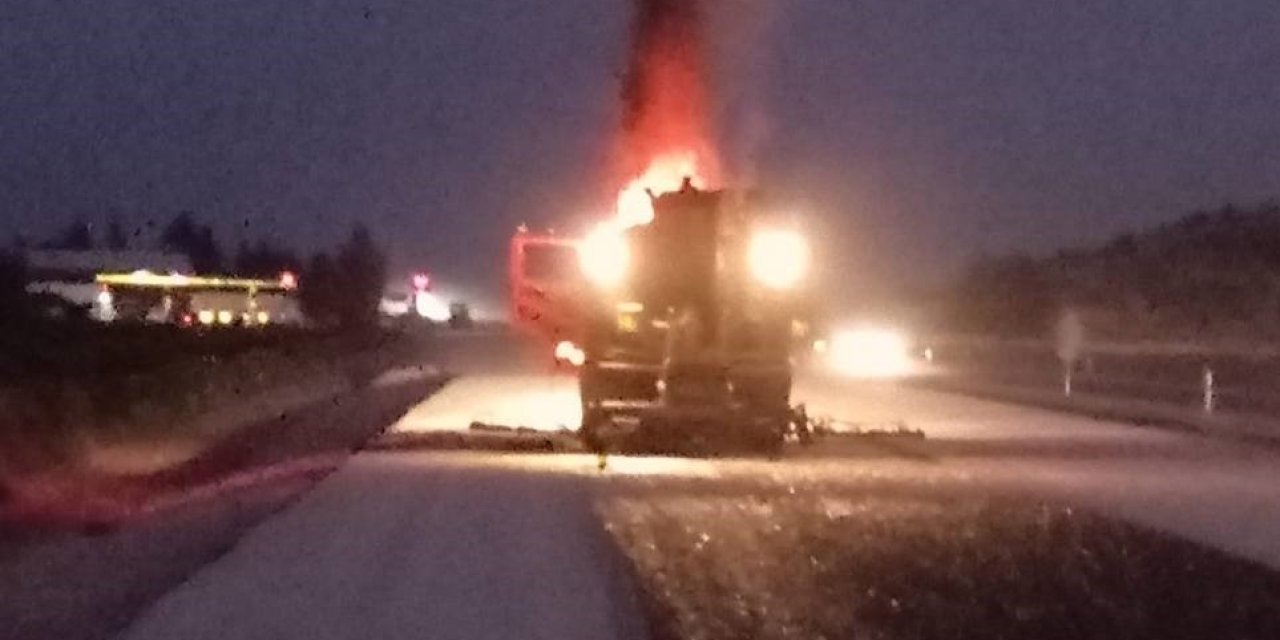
(914, 134)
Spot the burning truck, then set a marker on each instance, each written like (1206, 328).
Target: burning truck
(681, 329)
(678, 312)
(689, 334)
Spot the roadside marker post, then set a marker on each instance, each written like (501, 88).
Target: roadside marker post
(1209, 395)
(1070, 345)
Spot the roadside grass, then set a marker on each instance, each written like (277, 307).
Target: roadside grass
(69, 390)
(779, 565)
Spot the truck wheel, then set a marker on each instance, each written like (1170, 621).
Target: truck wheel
(592, 419)
(767, 439)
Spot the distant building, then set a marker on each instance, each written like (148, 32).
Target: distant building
(72, 275)
(200, 300)
(159, 287)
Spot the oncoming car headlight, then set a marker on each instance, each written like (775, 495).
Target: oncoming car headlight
(870, 352)
(604, 256)
(778, 258)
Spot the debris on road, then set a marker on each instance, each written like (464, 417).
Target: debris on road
(500, 428)
(531, 441)
(828, 426)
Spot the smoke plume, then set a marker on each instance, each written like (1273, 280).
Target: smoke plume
(665, 93)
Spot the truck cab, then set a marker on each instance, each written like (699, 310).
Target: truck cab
(547, 288)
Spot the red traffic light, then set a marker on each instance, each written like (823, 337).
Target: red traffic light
(288, 280)
(421, 281)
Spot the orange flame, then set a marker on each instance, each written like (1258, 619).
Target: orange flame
(665, 174)
(666, 127)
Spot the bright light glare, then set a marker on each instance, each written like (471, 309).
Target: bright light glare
(778, 258)
(224, 317)
(563, 349)
(659, 466)
(665, 174)
(870, 353)
(604, 255)
(205, 316)
(567, 351)
(428, 305)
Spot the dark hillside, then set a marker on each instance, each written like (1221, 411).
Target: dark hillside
(1207, 276)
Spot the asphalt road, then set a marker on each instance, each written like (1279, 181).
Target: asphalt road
(417, 543)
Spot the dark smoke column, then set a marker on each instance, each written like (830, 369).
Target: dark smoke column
(666, 132)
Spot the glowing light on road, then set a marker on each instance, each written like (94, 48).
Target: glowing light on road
(604, 255)
(778, 258)
(515, 401)
(658, 466)
(871, 353)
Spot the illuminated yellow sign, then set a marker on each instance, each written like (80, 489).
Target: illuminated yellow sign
(628, 316)
(179, 281)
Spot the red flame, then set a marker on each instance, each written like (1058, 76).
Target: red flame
(666, 128)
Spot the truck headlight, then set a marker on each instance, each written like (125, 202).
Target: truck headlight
(604, 256)
(567, 351)
(778, 258)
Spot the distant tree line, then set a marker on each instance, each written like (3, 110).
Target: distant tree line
(1209, 273)
(13, 283)
(343, 290)
(184, 235)
(1011, 296)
